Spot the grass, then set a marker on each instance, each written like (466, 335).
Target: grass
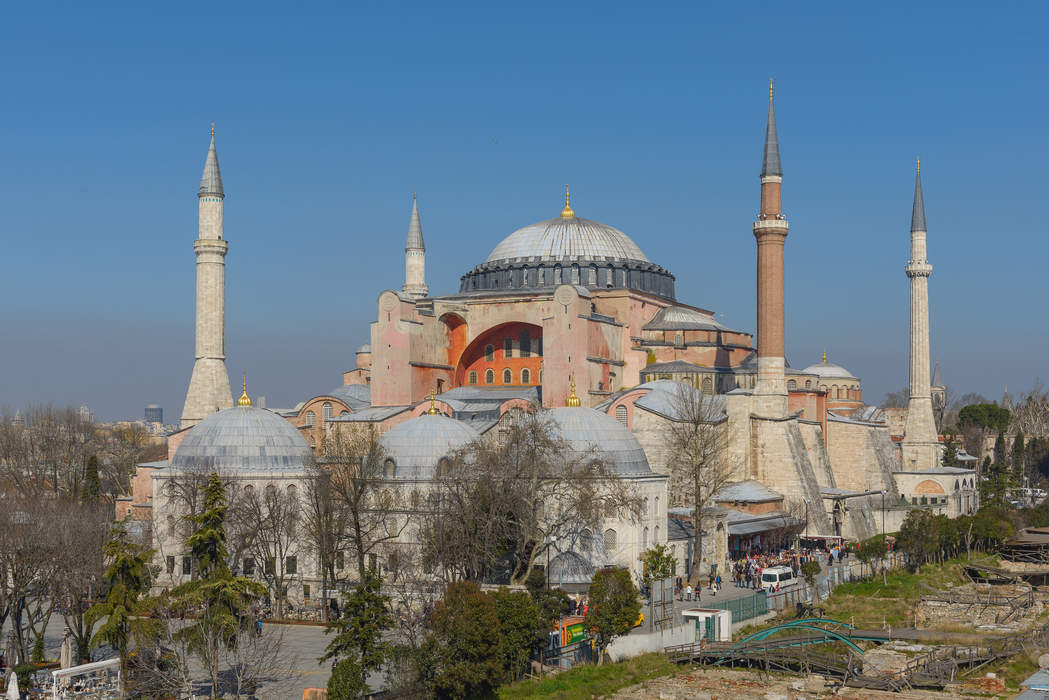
(585, 682)
(1012, 670)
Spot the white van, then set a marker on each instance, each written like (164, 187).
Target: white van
(782, 575)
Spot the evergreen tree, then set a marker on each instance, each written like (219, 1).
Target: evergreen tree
(1019, 456)
(92, 489)
(223, 600)
(358, 647)
(463, 653)
(522, 628)
(127, 579)
(1000, 456)
(614, 607)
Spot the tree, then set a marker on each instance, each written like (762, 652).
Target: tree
(463, 653)
(268, 527)
(255, 660)
(1019, 457)
(128, 578)
(521, 628)
(657, 564)
(614, 607)
(223, 601)
(695, 437)
(498, 504)
(810, 570)
(92, 490)
(919, 537)
(358, 647)
(897, 399)
(872, 550)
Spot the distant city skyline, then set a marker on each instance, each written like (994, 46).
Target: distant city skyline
(329, 118)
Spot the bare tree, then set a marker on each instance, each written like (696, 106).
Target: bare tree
(126, 446)
(80, 530)
(356, 463)
(268, 524)
(1031, 411)
(261, 661)
(46, 450)
(897, 399)
(509, 498)
(325, 531)
(696, 435)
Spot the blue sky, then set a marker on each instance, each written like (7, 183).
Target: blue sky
(329, 115)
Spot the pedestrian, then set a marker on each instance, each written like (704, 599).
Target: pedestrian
(258, 628)
(688, 591)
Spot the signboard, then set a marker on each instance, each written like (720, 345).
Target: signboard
(575, 633)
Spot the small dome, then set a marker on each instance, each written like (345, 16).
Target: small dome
(417, 445)
(245, 439)
(586, 430)
(828, 370)
(364, 348)
(567, 237)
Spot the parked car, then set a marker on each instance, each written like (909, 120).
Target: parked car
(782, 576)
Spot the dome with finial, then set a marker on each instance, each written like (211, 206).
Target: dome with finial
(243, 439)
(590, 432)
(568, 250)
(416, 446)
(828, 370)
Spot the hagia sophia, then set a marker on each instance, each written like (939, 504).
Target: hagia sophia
(569, 316)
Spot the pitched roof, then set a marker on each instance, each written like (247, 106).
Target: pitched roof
(937, 378)
(747, 491)
(211, 180)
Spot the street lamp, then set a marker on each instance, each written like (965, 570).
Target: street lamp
(884, 539)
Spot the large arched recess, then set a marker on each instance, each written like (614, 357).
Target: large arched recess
(456, 336)
(525, 360)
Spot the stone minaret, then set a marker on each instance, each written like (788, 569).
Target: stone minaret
(770, 230)
(415, 257)
(920, 448)
(209, 386)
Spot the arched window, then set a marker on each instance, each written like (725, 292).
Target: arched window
(293, 494)
(489, 376)
(792, 385)
(621, 413)
(489, 353)
(508, 348)
(508, 376)
(644, 538)
(656, 540)
(708, 386)
(610, 543)
(655, 511)
(808, 383)
(526, 376)
(823, 388)
(525, 342)
(442, 467)
(388, 468)
(310, 419)
(271, 492)
(171, 526)
(473, 377)
(327, 410)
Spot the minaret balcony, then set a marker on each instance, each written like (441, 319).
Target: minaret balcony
(771, 226)
(918, 269)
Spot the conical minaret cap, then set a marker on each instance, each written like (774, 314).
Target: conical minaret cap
(770, 164)
(211, 181)
(937, 378)
(415, 229)
(918, 211)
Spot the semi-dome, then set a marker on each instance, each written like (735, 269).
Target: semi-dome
(567, 237)
(243, 439)
(590, 431)
(417, 445)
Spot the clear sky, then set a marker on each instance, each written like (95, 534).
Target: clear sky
(328, 115)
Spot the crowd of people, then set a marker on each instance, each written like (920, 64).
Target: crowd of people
(746, 571)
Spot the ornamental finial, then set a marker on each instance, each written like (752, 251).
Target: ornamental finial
(824, 355)
(567, 212)
(919, 166)
(244, 399)
(212, 129)
(573, 400)
(772, 83)
(433, 408)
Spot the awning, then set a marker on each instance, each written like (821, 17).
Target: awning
(820, 537)
(752, 527)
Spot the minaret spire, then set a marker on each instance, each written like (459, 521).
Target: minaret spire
(209, 389)
(770, 232)
(415, 256)
(920, 448)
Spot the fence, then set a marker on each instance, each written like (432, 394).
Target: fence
(744, 608)
(835, 576)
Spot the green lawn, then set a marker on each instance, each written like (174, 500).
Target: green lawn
(585, 682)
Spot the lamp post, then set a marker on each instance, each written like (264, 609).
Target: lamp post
(884, 539)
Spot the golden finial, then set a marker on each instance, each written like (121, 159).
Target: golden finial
(433, 409)
(824, 355)
(244, 399)
(567, 212)
(772, 83)
(919, 166)
(573, 400)
(213, 129)
(413, 196)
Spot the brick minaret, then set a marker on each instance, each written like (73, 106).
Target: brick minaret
(770, 230)
(415, 257)
(209, 386)
(920, 448)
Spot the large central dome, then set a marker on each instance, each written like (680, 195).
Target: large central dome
(567, 250)
(567, 237)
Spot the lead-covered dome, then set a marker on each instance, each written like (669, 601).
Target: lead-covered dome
(243, 438)
(567, 250)
(588, 431)
(828, 370)
(417, 445)
(567, 237)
